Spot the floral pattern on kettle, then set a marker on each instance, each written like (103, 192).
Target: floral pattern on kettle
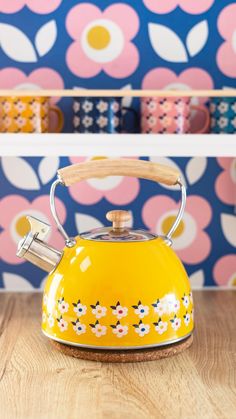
(170, 313)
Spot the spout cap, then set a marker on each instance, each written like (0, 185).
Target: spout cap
(35, 250)
(38, 229)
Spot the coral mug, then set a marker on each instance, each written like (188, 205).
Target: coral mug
(171, 115)
(28, 114)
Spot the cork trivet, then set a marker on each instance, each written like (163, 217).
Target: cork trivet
(138, 355)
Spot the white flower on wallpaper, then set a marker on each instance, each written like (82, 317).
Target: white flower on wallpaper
(166, 161)
(168, 45)
(228, 224)
(86, 222)
(46, 38)
(195, 169)
(13, 282)
(197, 38)
(48, 168)
(24, 176)
(197, 279)
(17, 46)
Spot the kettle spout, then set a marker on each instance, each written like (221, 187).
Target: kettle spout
(33, 248)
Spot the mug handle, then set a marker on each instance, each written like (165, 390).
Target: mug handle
(206, 126)
(135, 113)
(60, 117)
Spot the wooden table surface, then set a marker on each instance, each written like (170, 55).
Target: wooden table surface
(38, 382)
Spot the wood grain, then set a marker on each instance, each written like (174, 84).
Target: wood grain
(119, 93)
(118, 167)
(38, 382)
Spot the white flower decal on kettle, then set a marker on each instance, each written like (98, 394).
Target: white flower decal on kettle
(63, 306)
(141, 328)
(175, 323)
(119, 330)
(78, 327)
(79, 308)
(119, 311)
(166, 305)
(187, 318)
(98, 310)
(141, 310)
(98, 329)
(159, 307)
(160, 326)
(62, 324)
(172, 304)
(185, 300)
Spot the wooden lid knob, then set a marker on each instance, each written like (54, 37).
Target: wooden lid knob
(118, 218)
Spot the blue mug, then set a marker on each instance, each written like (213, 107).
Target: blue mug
(223, 115)
(99, 115)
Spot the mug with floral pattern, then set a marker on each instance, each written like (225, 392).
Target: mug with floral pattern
(28, 115)
(99, 115)
(170, 115)
(223, 115)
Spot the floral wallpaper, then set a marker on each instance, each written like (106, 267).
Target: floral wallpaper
(121, 44)
(205, 240)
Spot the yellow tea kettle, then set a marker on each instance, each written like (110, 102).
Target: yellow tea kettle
(112, 287)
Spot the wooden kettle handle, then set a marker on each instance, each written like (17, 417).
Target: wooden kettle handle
(118, 167)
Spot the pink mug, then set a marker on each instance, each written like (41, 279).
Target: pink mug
(170, 115)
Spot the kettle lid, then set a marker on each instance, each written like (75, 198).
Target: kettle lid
(118, 232)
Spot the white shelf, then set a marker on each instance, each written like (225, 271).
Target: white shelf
(117, 145)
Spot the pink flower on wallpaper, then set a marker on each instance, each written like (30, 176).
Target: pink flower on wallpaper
(102, 40)
(224, 271)
(192, 244)
(162, 78)
(190, 6)
(42, 78)
(225, 185)
(226, 55)
(13, 210)
(36, 6)
(118, 190)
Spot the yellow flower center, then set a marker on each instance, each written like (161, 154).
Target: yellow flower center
(233, 281)
(98, 37)
(98, 158)
(22, 226)
(167, 224)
